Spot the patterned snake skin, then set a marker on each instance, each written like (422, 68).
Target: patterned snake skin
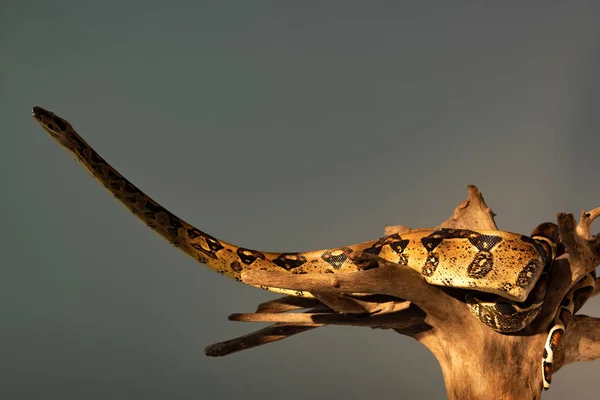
(499, 269)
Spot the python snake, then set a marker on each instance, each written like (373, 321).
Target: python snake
(500, 270)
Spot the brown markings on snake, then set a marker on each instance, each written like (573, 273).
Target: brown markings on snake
(564, 315)
(525, 275)
(79, 145)
(555, 339)
(376, 248)
(484, 242)
(431, 264)
(173, 224)
(506, 286)
(540, 246)
(60, 123)
(249, 256)
(481, 265)
(547, 371)
(581, 296)
(213, 244)
(289, 261)
(236, 266)
(505, 308)
(336, 257)
(431, 242)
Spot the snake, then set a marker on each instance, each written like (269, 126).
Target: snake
(570, 304)
(499, 270)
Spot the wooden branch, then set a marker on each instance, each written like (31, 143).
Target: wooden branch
(342, 303)
(402, 317)
(393, 296)
(584, 253)
(581, 257)
(287, 303)
(392, 229)
(585, 222)
(388, 278)
(267, 335)
(472, 213)
(581, 342)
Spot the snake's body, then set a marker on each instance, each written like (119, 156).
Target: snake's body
(502, 264)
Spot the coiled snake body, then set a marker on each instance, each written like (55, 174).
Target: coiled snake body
(499, 269)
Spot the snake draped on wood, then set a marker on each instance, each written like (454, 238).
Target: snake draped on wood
(498, 269)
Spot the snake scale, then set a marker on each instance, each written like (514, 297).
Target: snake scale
(500, 270)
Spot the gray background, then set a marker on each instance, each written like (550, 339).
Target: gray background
(278, 126)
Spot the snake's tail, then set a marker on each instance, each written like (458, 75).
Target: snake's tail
(220, 256)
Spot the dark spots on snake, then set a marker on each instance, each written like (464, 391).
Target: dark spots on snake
(484, 314)
(236, 266)
(485, 242)
(580, 296)
(336, 257)
(62, 125)
(201, 259)
(555, 339)
(525, 278)
(113, 175)
(79, 145)
(363, 263)
(398, 245)
(564, 316)
(115, 185)
(431, 264)
(449, 233)
(505, 308)
(129, 188)
(51, 127)
(403, 259)
(210, 245)
(481, 265)
(376, 248)
(97, 159)
(249, 256)
(98, 169)
(527, 239)
(506, 286)
(154, 208)
(289, 261)
(174, 225)
(547, 366)
(565, 302)
(430, 243)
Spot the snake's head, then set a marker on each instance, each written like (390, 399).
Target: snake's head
(52, 123)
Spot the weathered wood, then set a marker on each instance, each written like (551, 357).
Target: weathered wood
(477, 362)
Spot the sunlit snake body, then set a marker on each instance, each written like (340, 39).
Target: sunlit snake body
(503, 265)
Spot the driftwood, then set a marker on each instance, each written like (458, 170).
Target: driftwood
(476, 362)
